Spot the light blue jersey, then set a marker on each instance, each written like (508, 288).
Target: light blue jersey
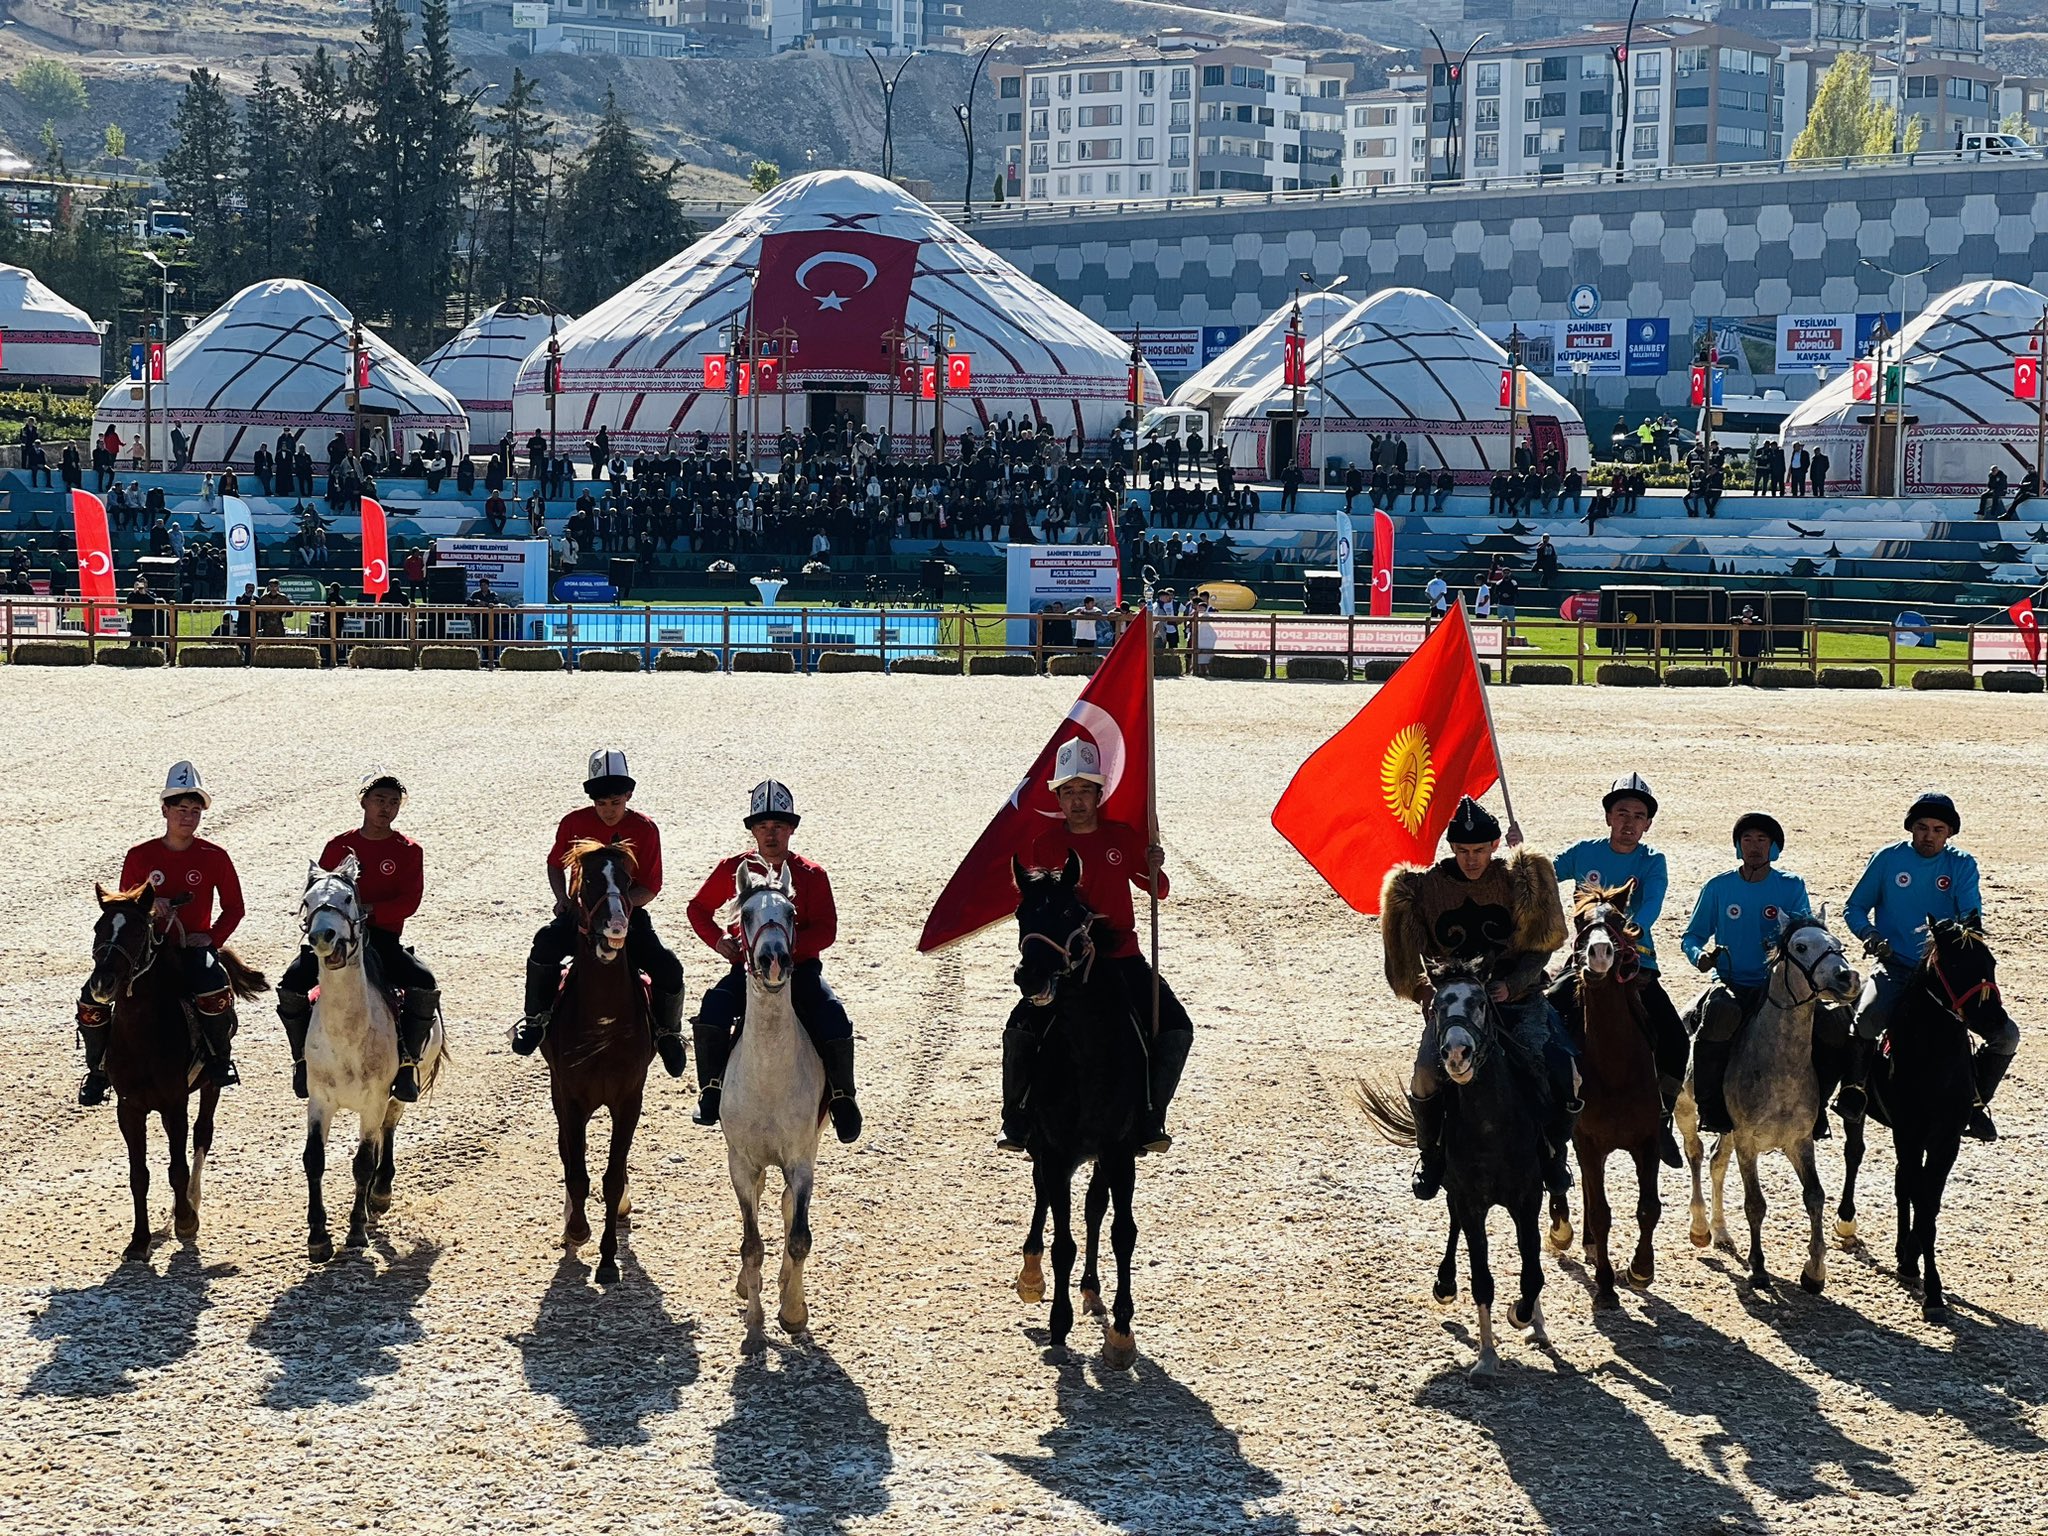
(1743, 917)
(1900, 892)
(1594, 862)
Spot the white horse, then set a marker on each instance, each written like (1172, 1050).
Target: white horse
(351, 1057)
(774, 1101)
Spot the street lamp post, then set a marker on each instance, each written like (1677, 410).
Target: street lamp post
(1454, 130)
(965, 113)
(1514, 390)
(1878, 338)
(1621, 76)
(150, 456)
(1322, 391)
(888, 83)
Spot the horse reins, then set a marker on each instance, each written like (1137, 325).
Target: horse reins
(353, 919)
(1082, 938)
(1786, 956)
(137, 966)
(1957, 1002)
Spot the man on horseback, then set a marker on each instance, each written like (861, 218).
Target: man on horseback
(1505, 913)
(390, 886)
(607, 819)
(1623, 858)
(180, 863)
(1906, 888)
(1734, 924)
(771, 818)
(1114, 858)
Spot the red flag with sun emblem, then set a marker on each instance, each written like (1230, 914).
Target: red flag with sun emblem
(1381, 791)
(1115, 712)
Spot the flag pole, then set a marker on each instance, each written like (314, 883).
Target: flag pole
(1152, 848)
(1500, 761)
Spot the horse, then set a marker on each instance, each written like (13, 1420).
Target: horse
(1773, 1093)
(599, 1044)
(351, 1057)
(151, 1059)
(1086, 1101)
(774, 1102)
(1619, 1074)
(1923, 1087)
(1492, 1147)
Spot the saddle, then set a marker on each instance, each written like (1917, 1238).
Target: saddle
(569, 971)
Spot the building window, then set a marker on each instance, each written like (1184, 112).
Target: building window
(1265, 117)
(1145, 82)
(1212, 74)
(1645, 141)
(1532, 109)
(1144, 181)
(1487, 80)
(1291, 121)
(1592, 137)
(1532, 145)
(1555, 67)
(1486, 149)
(1486, 114)
(1683, 133)
(1145, 147)
(1102, 117)
(1014, 122)
(1064, 152)
(1066, 118)
(1688, 97)
(1040, 123)
(1244, 114)
(1113, 182)
(1553, 141)
(1177, 151)
(1291, 153)
(1102, 82)
(1179, 185)
(1593, 104)
(1418, 149)
(1647, 106)
(1087, 187)
(1012, 87)
(1649, 69)
(1146, 113)
(1693, 61)
(1066, 186)
(1179, 115)
(1181, 84)
(1038, 186)
(1532, 73)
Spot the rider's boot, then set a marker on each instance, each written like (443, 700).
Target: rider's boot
(714, 1044)
(1668, 1089)
(668, 1031)
(1169, 1055)
(542, 982)
(838, 1058)
(1020, 1050)
(1852, 1102)
(94, 1024)
(1988, 1068)
(1429, 1145)
(415, 1029)
(295, 1013)
(1709, 1071)
(217, 1027)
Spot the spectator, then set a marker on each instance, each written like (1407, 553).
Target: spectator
(1817, 472)
(71, 470)
(1439, 594)
(2030, 489)
(1354, 482)
(1574, 489)
(1086, 620)
(1445, 481)
(1055, 629)
(1290, 488)
(1505, 592)
(415, 576)
(1797, 465)
(1992, 503)
(181, 449)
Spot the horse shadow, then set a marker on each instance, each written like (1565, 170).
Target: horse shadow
(801, 1443)
(614, 1358)
(342, 1325)
(133, 1322)
(1148, 1455)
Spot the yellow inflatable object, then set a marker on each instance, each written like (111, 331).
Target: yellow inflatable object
(1230, 596)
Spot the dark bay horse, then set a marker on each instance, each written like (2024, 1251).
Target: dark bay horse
(151, 1059)
(1492, 1146)
(1086, 1101)
(1618, 1070)
(599, 1044)
(1922, 1086)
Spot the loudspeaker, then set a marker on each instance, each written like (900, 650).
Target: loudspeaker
(621, 571)
(447, 585)
(166, 577)
(931, 581)
(1322, 592)
(1698, 605)
(1630, 605)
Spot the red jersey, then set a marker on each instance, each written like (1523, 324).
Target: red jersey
(202, 872)
(1112, 861)
(632, 828)
(817, 918)
(394, 875)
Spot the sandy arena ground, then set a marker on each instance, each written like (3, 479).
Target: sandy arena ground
(465, 1376)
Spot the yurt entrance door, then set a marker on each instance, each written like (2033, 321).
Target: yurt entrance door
(1282, 443)
(1881, 462)
(828, 411)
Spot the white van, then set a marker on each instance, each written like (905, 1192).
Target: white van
(1164, 421)
(2010, 144)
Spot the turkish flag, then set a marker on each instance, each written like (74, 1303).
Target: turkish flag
(156, 362)
(2025, 621)
(768, 373)
(1382, 566)
(1115, 712)
(1293, 367)
(376, 550)
(907, 378)
(1699, 387)
(959, 371)
(928, 382)
(95, 562)
(714, 373)
(1381, 791)
(2026, 378)
(745, 383)
(362, 369)
(1862, 379)
(838, 290)
(1131, 388)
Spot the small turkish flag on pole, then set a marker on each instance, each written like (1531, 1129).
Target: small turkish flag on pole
(1382, 566)
(2028, 624)
(959, 371)
(1862, 379)
(928, 381)
(715, 373)
(95, 545)
(1293, 364)
(1699, 386)
(2026, 378)
(362, 369)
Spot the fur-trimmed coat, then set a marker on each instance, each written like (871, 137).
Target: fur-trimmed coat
(1511, 917)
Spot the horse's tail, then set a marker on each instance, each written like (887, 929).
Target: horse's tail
(1387, 1109)
(245, 982)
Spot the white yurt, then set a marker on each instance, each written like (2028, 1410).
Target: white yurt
(1403, 364)
(478, 364)
(44, 339)
(1260, 351)
(831, 270)
(1961, 415)
(276, 356)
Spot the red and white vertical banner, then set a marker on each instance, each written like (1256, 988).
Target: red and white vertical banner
(95, 563)
(376, 551)
(1382, 566)
(2026, 378)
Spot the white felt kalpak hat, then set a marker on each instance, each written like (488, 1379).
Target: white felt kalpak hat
(771, 799)
(608, 773)
(1077, 759)
(184, 779)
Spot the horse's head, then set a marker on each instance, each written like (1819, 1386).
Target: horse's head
(331, 913)
(1053, 925)
(124, 940)
(1960, 971)
(1462, 1017)
(1814, 965)
(600, 875)
(767, 912)
(1604, 940)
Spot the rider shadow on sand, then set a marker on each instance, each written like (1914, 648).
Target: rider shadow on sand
(343, 1324)
(614, 1357)
(1145, 1454)
(133, 1322)
(801, 1443)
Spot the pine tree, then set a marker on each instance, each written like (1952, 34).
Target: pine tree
(274, 218)
(384, 91)
(1846, 118)
(321, 158)
(513, 192)
(447, 129)
(200, 170)
(620, 217)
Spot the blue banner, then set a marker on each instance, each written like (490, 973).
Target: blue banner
(135, 362)
(1867, 324)
(1347, 566)
(241, 542)
(1219, 339)
(1649, 346)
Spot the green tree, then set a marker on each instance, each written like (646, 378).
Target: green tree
(447, 130)
(514, 188)
(764, 175)
(116, 142)
(200, 171)
(52, 88)
(321, 158)
(619, 217)
(1846, 118)
(274, 198)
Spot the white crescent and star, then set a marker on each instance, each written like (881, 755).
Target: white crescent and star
(832, 298)
(99, 562)
(379, 571)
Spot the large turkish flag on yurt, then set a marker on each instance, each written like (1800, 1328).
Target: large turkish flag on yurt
(840, 290)
(1115, 712)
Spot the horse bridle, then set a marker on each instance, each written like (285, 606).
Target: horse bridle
(1786, 956)
(138, 965)
(788, 929)
(1487, 1023)
(1628, 957)
(1078, 952)
(354, 918)
(1957, 1002)
(584, 909)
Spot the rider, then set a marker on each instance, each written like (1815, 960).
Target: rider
(1114, 857)
(1617, 859)
(771, 818)
(1474, 906)
(607, 819)
(1739, 913)
(181, 862)
(391, 883)
(1907, 887)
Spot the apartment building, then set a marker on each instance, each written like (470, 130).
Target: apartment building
(1386, 133)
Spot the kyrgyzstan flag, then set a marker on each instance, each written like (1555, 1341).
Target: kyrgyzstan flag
(1115, 712)
(1381, 791)
(376, 550)
(2028, 623)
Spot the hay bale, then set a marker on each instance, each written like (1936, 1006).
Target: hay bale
(1378, 669)
(1696, 677)
(1073, 664)
(1002, 666)
(451, 658)
(925, 666)
(1626, 674)
(2012, 680)
(382, 658)
(764, 661)
(1943, 677)
(52, 653)
(1318, 669)
(1238, 668)
(686, 661)
(850, 661)
(607, 661)
(209, 655)
(1784, 677)
(1169, 664)
(304, 656)
(1542, 673)
(128, 656)
(1851, 677)
(531, 658)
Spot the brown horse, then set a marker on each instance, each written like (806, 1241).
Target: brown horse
(1619, 1075)
(151, 1057)
(599, 1044)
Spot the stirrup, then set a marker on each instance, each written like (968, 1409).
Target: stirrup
(1979, 1125)
(1008, 1143)
(406, 1086)
(527, 1034)
(93, 1089)
(222, 1074)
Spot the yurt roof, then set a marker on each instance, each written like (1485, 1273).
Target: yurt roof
(1260, 350)
(47, 337)
(479, 362)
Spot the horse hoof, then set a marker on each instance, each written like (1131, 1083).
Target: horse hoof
(1701, 1237)
(320, 1250)
(1119, 1350)
(1724, 1242)
(1030, 1291)
(797, 1327)
(608, 1272)
(1559, 1237)
(1487, 1367)
(358, 1239)
(1031, 1279)
(1909, 1275)
(575, 1235)
(1761, 1285)
(754, 1344)
(1091, 1303)
(625, 1206)
(1605, 1301)
(380, 1201)
(186, 1227)
(1443, 1297)
(1812, 1283)
(1640, 1280)
(1846, 1231)
(138, 1248)
(1934, 1310)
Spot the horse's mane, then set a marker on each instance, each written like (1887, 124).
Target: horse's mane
(1961, 933)
(1588, 897)
(132, 894)
(1445, 971)
(728, 912)
(1799, 920)
(574, 855)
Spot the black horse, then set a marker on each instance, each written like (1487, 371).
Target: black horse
(1923, 1086)
(1492, 1146)
(1086, 1100)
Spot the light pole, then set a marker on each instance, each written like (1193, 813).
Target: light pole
(1581, 371)
(1899, 92)
(888, 83)
(150, 455)
(1621, 76)
(1514, 389)
(1322, 391)
(965, 112)
(1878, 338)
(1454, 131)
